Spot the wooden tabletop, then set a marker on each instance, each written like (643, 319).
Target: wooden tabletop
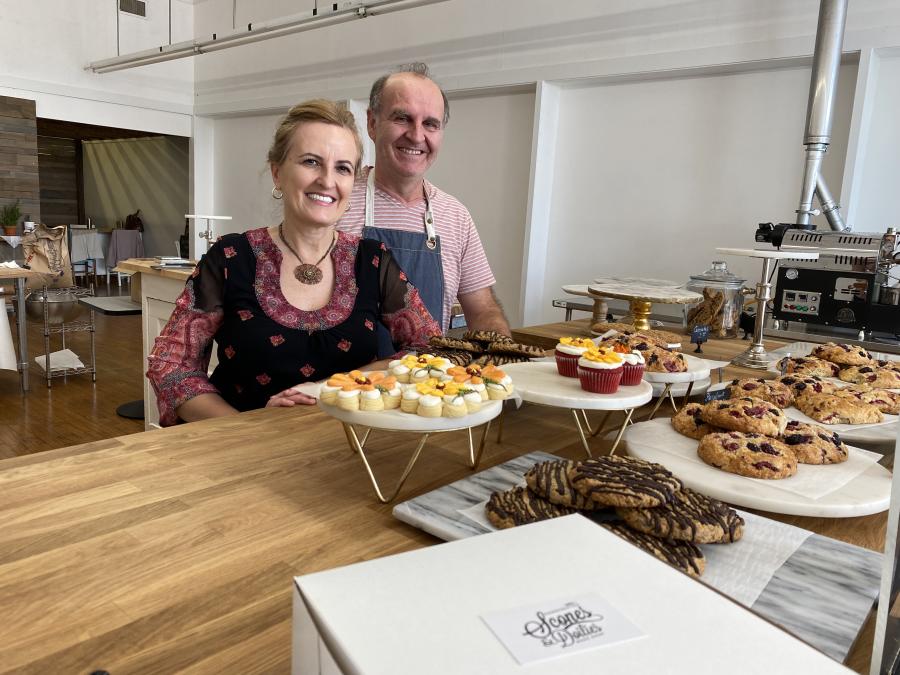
(17, 273)
(145, 266)
(174, 549)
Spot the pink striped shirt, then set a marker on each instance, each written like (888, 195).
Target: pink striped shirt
(466, 267)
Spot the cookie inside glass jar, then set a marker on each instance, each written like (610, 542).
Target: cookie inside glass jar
(720, 308)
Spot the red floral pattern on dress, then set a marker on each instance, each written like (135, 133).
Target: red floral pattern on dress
(245, 314)
(307, 370)
(403, 276)
(179, 360)
(229, 251)
(277, 340)
(229, 351)
(376, 261)
(344, 345)
(412, 325)
(267, 284)
(369, 324)
(263, 379)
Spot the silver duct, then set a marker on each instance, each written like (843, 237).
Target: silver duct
(822, 88)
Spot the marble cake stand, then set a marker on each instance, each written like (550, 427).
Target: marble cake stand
(539, 382)
(755, 356)
(642, 293)
(397, 421)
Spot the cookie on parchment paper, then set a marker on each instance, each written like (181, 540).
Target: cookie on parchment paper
(687, 422)
(832, 409)
(680, 554)
(690, 516)
(746, 414)
(768, 390)
(520, 506)
(550, 480)
(813, 444)
(748, 454)
(624, 481)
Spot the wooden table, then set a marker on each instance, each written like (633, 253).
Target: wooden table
(20, 276)
(173, 549)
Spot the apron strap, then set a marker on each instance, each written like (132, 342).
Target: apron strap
(431, 239)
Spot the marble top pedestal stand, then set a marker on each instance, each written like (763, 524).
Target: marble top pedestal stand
(755, 356)
(642, 293)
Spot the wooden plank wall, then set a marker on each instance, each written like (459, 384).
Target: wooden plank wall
(60, 164)
(19, 178)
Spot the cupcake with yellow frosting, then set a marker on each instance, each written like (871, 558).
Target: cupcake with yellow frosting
(600, 370)
(568, 351)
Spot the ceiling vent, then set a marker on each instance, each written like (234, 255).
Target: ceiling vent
(136, 7)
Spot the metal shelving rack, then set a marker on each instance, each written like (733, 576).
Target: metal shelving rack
(63, 329)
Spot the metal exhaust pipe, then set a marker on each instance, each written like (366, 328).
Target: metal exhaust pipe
(822, 88)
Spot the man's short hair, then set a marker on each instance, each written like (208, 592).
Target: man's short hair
(416, 68)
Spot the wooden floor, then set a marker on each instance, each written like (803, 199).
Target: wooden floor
(74, 410)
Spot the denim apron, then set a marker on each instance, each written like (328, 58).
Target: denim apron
(419, 256)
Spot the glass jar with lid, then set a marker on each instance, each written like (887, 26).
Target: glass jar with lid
(720, 308)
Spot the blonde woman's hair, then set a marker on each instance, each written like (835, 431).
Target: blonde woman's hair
(316, 110)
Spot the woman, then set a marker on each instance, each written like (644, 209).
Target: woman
(291, 303)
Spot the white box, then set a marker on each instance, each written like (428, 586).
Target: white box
(421, 612)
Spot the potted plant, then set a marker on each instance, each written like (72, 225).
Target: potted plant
(9, 218)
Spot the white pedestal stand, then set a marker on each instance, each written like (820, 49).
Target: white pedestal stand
(755, 356)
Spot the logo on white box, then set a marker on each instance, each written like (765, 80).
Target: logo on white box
(565, 626)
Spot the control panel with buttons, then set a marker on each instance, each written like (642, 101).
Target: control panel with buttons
(800, 302)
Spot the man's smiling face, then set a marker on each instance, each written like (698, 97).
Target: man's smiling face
(407, 129)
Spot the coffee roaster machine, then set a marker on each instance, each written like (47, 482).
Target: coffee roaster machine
(854, 285)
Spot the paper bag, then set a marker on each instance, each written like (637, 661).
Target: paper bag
(47, 251)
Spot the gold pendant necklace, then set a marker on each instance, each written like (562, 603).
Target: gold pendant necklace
(304, 272)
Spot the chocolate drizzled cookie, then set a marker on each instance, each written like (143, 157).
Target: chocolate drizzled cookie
(690, 516)
(520, 506)
(624, 481)
(550, 480)
(681, 554)
(444, 342)
(486, 337)
(515, 349)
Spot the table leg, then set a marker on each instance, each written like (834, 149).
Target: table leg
(475, 457)
(358, 448)
(687, 394)
(666, 392)
(584, 440)
(23, 332)
(625, 424)
(602, 424)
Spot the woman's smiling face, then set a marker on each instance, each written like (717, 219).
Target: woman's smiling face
(316, 177)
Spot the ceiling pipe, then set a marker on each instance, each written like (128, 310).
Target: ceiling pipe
(256, 32)
(822, 88)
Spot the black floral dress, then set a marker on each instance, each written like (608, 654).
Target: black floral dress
(265, 344)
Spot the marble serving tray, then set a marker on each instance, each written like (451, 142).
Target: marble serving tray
(397, 420)
(818, 588)
(860, 486)
(540, 382)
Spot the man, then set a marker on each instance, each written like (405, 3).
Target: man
(430, 233)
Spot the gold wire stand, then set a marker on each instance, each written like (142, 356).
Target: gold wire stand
(358, 446)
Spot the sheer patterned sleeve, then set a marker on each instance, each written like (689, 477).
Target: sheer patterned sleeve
(178, 363)
(402, 310)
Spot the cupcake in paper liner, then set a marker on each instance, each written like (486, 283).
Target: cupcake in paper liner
(633, 366)
(600, 371)
(567, 353)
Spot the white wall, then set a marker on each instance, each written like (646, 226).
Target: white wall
(879, 176)
(652, 176)
(47, 44)
(150, 174)
(484, 163)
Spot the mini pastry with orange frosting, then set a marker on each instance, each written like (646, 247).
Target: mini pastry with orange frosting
(499, 385)
(600, 370)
